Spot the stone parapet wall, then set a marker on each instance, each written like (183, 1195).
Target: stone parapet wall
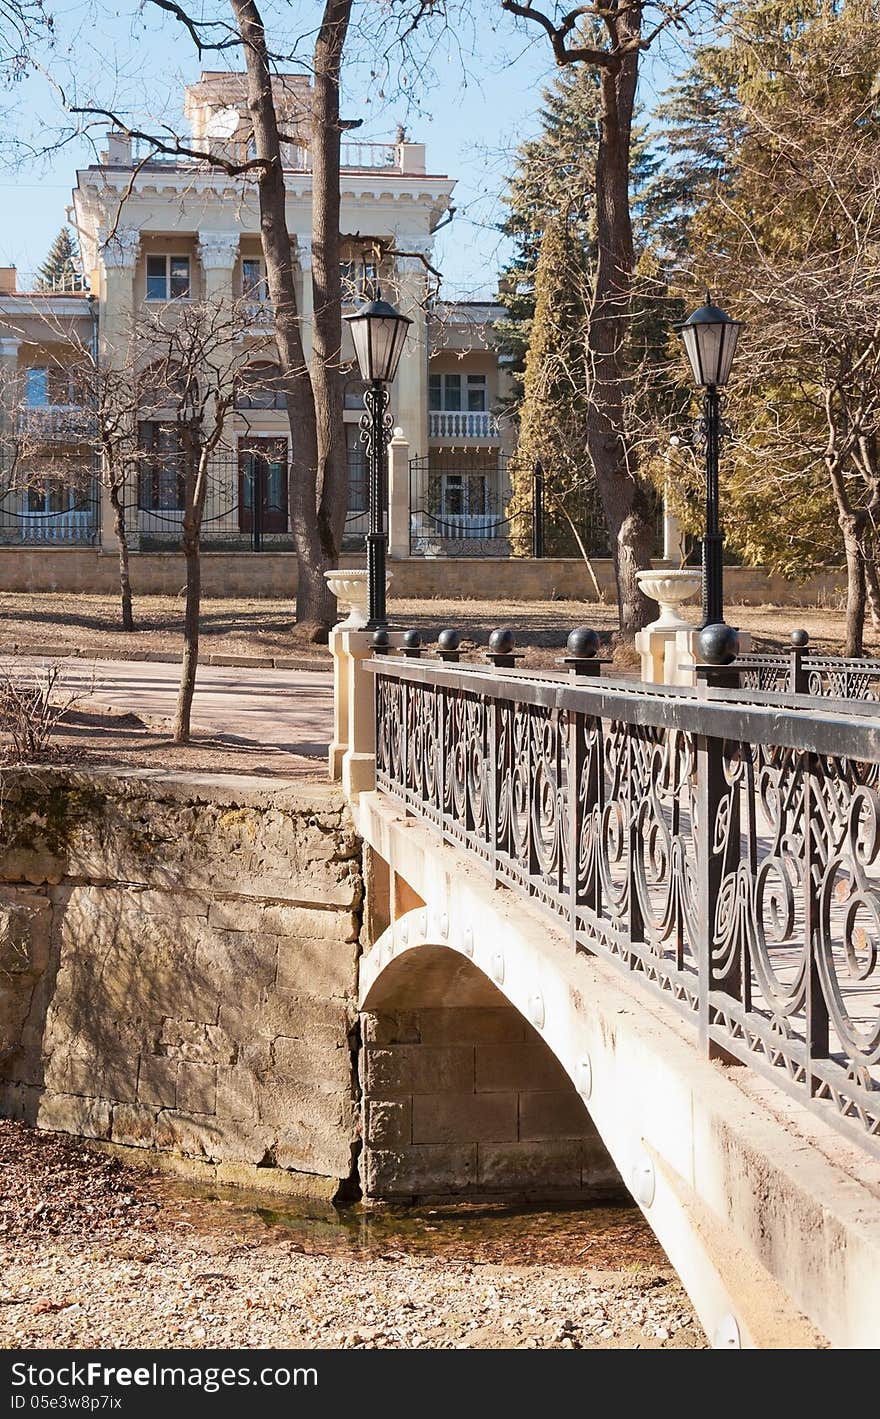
(178, 965)
(273, 574)
(470, 1101)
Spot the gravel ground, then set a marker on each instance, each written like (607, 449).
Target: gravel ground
(96, 1255)
(38, 623)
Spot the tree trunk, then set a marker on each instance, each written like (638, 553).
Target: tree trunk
(186, 689)
(856, 595)
(314, 604)
(122, 544)
(624, 498)
(852, 527)
(326, 280)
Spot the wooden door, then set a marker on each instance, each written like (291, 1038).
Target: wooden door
(262, 476)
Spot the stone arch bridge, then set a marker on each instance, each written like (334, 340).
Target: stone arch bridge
(632, 932)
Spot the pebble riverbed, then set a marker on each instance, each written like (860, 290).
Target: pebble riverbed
(96, 1255)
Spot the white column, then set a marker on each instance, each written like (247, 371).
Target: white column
(218, 254)
(307, 295)
(118, 256)
(409, 393)
(9, 399)
(9, 347)
(398, 496)
(673, 537)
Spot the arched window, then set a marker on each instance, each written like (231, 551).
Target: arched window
(163, 385)
(353, 394)
(260, 386)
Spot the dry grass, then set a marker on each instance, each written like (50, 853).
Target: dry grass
(58, 623)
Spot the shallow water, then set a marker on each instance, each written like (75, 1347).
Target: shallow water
(604, 1238)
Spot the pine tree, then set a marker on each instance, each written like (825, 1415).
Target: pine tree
(554, 174)
(554, 400)
(61, 269)
(552, 220)
(778, 200)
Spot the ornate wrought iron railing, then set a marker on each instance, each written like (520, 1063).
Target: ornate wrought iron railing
(725, 853)
(801, 672)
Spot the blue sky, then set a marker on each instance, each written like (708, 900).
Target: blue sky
(479, 101)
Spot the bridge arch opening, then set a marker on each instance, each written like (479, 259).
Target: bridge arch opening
(463, 1098)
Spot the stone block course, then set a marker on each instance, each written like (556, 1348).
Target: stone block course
(420, 1069)
(197, 1087)
(423, 1171)
(180, 968)
(513, 1104)
(464, 1118)
(518, 1066)
(157, 1081)
(70, 1113)
(554, 1114)
(134, 1125)
(535, 1166)
(389, 1122)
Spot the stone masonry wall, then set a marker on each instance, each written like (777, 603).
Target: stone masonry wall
(178, 962)
(472, 1101)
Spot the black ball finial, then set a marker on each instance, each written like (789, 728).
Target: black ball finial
(583, 642)
(449, 639)
(800, 639)
(381, 640)
(412, 640)
(502, 641)
(718, 644)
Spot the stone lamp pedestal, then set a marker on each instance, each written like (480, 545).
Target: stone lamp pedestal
(658, 644)
(352, 752)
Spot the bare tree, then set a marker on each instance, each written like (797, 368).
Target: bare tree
(195, 353)
(611, 38)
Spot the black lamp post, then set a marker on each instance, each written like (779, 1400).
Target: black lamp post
(379, 335)
(709, 337)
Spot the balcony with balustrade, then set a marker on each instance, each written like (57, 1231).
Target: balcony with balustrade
(55, 423)
(460, 426)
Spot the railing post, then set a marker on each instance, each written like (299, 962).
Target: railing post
(538, 509)
(714, 861)
(815, 1005)
(258, 483)
(635, 919)
(798, 675)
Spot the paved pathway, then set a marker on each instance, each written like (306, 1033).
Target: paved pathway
(290, 710)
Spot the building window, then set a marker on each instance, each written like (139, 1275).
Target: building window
(253, 283)
(50, 496)
(260, 386)
(357, 470)
(463, 495)
(359, 280)
(36, 388)
(167, 278)
(447, 393)
(476, 393)
(161, 484)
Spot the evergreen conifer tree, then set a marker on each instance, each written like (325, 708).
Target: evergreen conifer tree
(61, 269)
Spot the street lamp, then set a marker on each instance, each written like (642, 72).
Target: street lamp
(379, 335)
(709, 337)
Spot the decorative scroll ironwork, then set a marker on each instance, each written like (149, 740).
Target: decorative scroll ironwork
(696, 844)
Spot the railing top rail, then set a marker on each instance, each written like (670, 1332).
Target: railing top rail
(771, 659)
(808, 725)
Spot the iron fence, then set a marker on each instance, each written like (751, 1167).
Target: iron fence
(51, 513)
(725, 853)
(467, 508)
(800, 672)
